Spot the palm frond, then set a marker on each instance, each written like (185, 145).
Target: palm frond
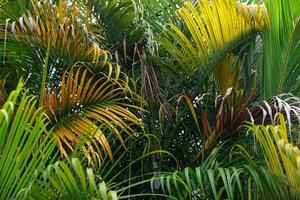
(13, 9)
(62, 27)
(289, 81)
(159, 13)
(70, 181)
(280, 69)
(229, 113)
(25, 143)
(233, 109)
(211, 181)
(227, 72)
(286, 104)
(281, 156)
(121, 179)
(213, 28)
(119, 22)
(24, 43)
(83, 105)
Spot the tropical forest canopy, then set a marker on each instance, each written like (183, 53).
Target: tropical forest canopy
(149, 99)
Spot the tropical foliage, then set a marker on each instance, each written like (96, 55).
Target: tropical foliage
(26, 145)
(149, 99)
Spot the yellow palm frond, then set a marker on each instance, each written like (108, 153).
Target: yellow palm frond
(227, 72)
(213, 28)
(85, 106)
(282, 157)
(254, 13)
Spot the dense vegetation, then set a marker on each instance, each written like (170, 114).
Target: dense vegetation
(149, 99)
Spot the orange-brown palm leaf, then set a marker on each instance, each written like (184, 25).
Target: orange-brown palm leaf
(87, 105)
(62, 26)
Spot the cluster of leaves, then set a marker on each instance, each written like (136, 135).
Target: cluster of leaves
(168, 99)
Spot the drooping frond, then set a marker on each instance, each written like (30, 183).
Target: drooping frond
(63, 28)
(25, 143)
(282, 157)
(85, 106)
(234, 109)
(286, 104)
(210, 181)
(224, 120)
(150, 90)
(211, 30)
(70, 181)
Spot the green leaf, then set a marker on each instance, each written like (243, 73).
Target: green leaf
(25, 144)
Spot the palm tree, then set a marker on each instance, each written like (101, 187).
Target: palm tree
(82, 103)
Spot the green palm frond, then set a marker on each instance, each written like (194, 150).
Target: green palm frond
(212, 29)
(290, 82)
(70, 181)
(159, 13)
(83, 105)
(211, 181)
(13, 9)
(280, 71)
(118, 21)
(25, 143)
